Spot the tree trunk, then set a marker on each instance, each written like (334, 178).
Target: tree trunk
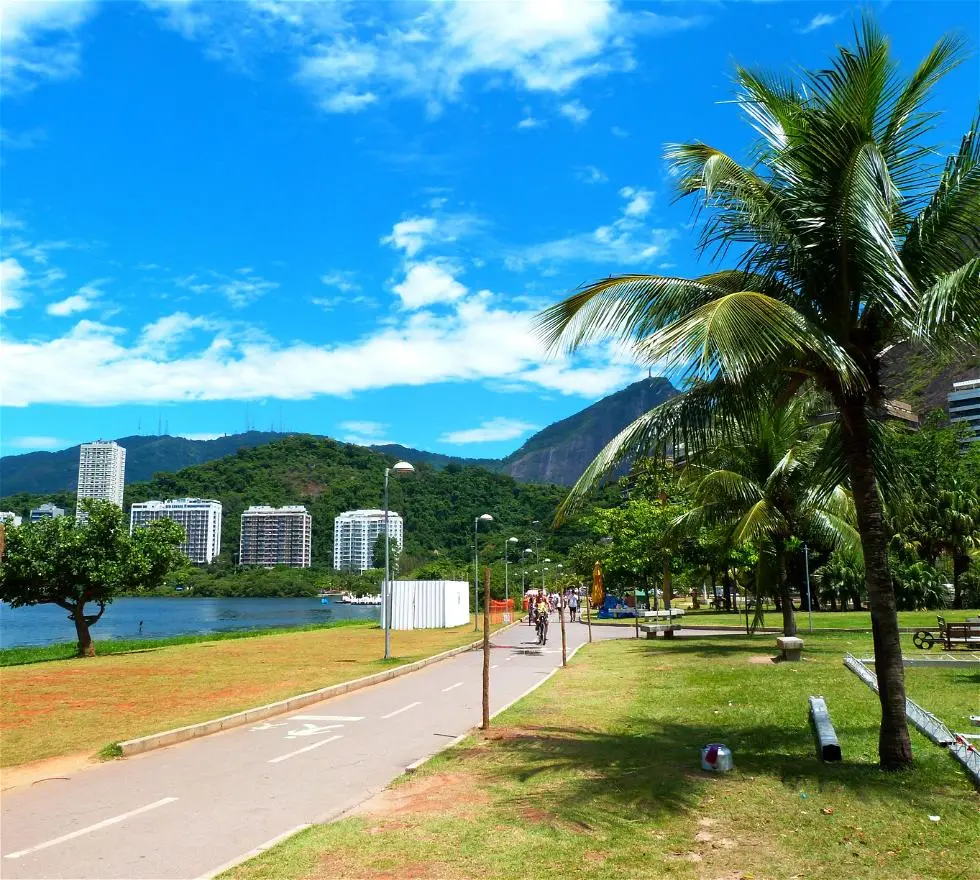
(961, 563)
(789, 618)
(85, 646)
(486, 649)
(894, 746)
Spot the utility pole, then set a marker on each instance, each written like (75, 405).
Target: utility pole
(486, 649)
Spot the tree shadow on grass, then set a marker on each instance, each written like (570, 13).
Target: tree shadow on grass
(586, 777)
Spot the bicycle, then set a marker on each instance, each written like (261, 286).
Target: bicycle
(542, 629)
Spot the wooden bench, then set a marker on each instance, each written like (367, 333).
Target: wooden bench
(790, 647)
(959, 635)
(651, 629)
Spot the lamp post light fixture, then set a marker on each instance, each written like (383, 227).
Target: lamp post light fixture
(524, 573)
(400, 468)
(542, 577)
(506, 579)
(483, 517)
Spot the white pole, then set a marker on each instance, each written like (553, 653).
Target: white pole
(506, 578)
(476, 569)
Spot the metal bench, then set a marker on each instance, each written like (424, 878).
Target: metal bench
(952, 635)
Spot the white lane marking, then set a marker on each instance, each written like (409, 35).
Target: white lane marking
(326, 717)
(89, 829)
(252, 853)
(268, 725)
(403, 709)
(453, 686)
(311, 729)
(308, 748)
(511, 657)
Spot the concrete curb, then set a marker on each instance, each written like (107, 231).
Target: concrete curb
(248, 716)
(415, 765)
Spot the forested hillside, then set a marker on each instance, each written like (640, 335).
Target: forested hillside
(328, 477)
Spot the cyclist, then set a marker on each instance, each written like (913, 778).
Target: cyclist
(542, 619)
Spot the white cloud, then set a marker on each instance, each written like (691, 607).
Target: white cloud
(370, 429)
(39, 41)
(341, 280)
(575, 111)
(590, 174)
(626, 241)
(529, 122)
(32, 442)
(94, 364)
(351, 56)
(428, 283)
(818, 21)
(619, 132)
(13, 284)
(640, 201)
(21, 140)
(80, 302)
(239, 292)
(494, 429)
(411, 235)
(168, 332)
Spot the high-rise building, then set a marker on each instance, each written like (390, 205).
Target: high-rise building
(201, 519)
(276, 536)
(964, 406)
(101, 474)
(8, 516)
(355, 533)
(46, 511)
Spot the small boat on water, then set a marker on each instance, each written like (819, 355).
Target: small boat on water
(351, 599)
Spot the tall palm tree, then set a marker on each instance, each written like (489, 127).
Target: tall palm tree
(759, 476)
(845, 239)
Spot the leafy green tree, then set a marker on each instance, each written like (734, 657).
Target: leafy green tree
(758, 477)
(72, 565)
(378, 554)
(840, 580)
(846, 238)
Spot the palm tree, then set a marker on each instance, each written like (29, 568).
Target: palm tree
(845, 240)
(758, 476)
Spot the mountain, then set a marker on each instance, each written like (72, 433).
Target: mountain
(58, 471)
(438, 505)
(561, 452)
(437, 459)
(923, 378)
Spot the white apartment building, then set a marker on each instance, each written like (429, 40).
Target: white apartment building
(964, 406)
(8, 516)
(355, 532)
(46, 511)
(101, 474)
(276, 536)
(200, 517)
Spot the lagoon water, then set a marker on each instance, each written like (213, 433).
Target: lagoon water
(47, 624)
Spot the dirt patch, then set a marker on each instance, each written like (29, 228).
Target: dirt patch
(761, 660)
(50, 771)
(438, 793)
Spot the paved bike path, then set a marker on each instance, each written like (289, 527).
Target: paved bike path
(182, 812)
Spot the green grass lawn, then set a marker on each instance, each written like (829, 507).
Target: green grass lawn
(597, 775)
(821, 619)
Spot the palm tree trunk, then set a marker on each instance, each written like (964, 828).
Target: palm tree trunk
(789, 618)
(894, 746)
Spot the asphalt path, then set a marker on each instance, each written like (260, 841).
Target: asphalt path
(191, 810)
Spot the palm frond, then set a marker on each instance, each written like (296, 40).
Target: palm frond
(739, 333)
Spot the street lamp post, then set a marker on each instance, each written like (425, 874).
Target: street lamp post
(506, 577)
(524, 573)
(484, 517)
(401, 467)
(543, 587)
(809, 598)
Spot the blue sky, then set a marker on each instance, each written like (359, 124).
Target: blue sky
(342, 218)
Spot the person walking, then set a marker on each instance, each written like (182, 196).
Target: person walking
(573, 605)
